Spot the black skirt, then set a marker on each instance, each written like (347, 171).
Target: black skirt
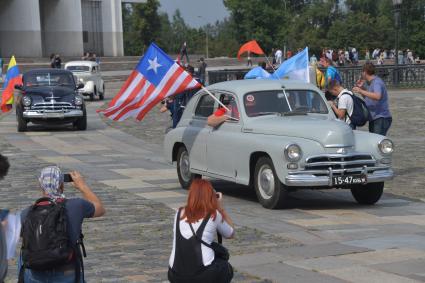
(219, 271)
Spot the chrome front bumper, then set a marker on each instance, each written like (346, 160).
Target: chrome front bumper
(308, 179)
(53, 115)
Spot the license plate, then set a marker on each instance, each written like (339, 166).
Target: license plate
(55, 115)
(349, 180)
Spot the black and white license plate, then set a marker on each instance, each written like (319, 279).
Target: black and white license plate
(360, 179)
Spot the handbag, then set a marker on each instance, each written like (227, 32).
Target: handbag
(219, 250)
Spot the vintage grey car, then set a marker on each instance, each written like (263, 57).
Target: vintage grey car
(88, 73)
(286, 138)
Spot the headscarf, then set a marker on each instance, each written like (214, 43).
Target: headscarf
(51, 179)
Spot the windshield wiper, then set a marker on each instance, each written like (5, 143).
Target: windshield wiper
(265, 113)
(294, 113)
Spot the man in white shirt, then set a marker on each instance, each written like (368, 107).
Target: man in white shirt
(278, 56)
(343, 104)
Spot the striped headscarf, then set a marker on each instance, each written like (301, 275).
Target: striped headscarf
(51, 179)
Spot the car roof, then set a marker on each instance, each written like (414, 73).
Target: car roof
(81, 63)
(244, 86)
(45, 70)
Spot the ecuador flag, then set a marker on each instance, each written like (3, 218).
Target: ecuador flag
(13, 77)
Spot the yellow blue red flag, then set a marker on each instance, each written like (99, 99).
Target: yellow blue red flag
(13, 77)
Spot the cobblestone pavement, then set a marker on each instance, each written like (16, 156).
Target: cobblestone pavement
(324, 237)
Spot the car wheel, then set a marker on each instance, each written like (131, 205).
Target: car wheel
(183, 168)
(102, 94)
(81, 123)
(368, 194)
(22, 123)
(271, 193)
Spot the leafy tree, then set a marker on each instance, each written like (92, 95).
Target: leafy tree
(364, 24)
(147, 21)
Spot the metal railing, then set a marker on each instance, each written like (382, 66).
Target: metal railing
(401, 76)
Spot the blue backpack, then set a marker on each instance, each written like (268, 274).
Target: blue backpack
(361, 114)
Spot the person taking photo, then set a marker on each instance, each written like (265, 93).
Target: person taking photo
(52, 232)
(195, 257)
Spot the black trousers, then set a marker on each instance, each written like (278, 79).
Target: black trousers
(220, 271)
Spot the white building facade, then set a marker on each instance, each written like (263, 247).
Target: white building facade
(38, 28)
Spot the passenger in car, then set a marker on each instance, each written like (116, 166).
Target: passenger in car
(221, 115)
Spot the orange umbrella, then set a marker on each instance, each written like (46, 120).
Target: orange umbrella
(251, 46)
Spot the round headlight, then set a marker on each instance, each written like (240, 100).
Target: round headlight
(81, 80)
(26, 101)
(293, 152)
(78, 100)
(386, 146)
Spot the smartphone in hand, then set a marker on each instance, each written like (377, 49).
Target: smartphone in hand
(67, 178)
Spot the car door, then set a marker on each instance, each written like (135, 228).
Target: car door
(196, 134)
(223, 141)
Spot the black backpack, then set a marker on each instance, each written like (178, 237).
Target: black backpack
(45, 239)
(361, 114)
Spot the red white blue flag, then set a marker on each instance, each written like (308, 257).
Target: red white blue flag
(156, 77)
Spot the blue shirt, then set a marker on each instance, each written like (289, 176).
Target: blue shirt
(333, 74)
(77, 209)
(378, 108)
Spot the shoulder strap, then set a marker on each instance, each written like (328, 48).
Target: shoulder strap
(178, 220)
(196, 236)
(350, 94)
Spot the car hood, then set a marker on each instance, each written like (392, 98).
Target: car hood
(49, 94)
(321, 129)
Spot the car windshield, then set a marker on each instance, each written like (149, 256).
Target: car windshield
(284, 102)
(49, 79)
(78, 68)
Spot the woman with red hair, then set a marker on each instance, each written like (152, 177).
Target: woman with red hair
(195, 226)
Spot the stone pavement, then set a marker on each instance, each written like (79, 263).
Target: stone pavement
(323, 237)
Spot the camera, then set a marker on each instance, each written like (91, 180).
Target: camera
(67, 178)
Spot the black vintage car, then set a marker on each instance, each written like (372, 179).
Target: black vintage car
(49, 96)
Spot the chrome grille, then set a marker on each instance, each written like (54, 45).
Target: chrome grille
(339, 163)
(48, 107)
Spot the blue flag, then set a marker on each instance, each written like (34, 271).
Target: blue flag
(295, 68)
(257, 73)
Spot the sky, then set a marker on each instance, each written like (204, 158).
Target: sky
(209, 10)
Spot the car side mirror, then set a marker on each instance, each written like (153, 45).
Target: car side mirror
(19, 87)
(80, 85)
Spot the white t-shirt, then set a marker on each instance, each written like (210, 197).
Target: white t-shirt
(345, 101)
(278, 53)
(208, 236)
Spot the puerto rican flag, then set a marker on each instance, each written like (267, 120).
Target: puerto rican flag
(156, 77)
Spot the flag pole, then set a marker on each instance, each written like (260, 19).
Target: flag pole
(215, 98)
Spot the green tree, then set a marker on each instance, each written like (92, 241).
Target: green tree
(141, 26)
(147, 21)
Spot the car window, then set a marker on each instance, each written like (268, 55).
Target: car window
(307, 100)
(277, 101)
(78, 68)
(205, 106)
(49, 79)
(229, 101)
